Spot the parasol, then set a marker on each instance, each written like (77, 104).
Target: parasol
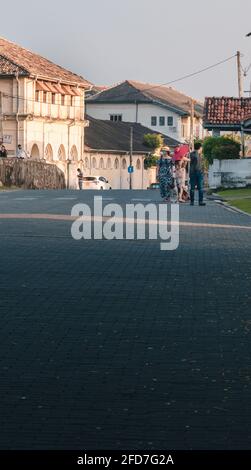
(180, 152)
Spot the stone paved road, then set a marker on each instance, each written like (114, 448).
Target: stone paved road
(115, 344)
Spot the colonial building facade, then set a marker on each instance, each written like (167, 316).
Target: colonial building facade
(42, 108)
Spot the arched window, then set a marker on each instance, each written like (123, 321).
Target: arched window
(101, 163)
(74, 153)
(86, 162)
(48, 153)
(109, 164)
(116, 164)
(138, 164)
(35, 152)
(124, 164)
(94, 163)
(61, 153)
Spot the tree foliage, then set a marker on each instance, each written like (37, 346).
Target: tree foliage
(153, 141)
(220, 148)
(150, 161)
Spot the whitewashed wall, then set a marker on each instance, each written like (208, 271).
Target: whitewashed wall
(142, 116)
(230, 173)
(114, 167)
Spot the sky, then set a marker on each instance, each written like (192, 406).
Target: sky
(108, 41)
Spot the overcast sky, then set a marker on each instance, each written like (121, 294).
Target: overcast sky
(108, 41)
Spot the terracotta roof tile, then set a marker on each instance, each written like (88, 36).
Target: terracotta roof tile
(14, 57)
(226, 111)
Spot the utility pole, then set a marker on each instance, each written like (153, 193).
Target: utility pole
(240, 79)
(192, 125)
(242, 140)
(131, 151)
(1, 117)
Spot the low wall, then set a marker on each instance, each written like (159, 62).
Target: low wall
(30, 174)
(230, 173)
(117, 174)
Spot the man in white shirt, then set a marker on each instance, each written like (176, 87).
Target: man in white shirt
(21, 153)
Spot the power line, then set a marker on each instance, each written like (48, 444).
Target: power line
(134, 92)
(198, 72)
(177, 79)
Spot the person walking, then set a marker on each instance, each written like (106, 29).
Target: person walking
(197, 174)
(180, 166)
(165, 174)
(80, 177)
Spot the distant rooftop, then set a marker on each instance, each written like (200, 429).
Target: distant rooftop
(131, 91)
(226, 112)
(14, 58)
(115, 136)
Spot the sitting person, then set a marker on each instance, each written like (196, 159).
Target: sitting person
(3, 152)
(21, 153)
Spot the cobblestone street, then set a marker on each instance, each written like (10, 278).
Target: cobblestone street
(116, 344)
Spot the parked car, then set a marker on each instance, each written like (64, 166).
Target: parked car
(96, 182)
(154, 186)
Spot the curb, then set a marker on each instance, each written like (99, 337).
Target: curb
(234, 209)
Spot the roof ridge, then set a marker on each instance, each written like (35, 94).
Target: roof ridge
(4, 43)
(33, 53)
(163, 85)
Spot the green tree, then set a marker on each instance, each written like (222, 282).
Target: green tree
(150, 161)
(220, 148)
(153, 141)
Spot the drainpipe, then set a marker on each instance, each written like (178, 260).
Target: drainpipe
(17, 111)
(242, 140)
(68, 154)
(1, 117)
(142, 163)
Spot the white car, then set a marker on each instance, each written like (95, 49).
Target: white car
(96, 182)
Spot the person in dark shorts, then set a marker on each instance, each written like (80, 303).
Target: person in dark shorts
(197, 174)
(80, 177)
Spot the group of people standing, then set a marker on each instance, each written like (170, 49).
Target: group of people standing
(173, 171)
(21, 153)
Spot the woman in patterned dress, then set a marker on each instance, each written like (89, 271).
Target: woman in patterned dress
(165, 174)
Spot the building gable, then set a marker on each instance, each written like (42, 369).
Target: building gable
(14, 56)
(137, 92)
(8, 67)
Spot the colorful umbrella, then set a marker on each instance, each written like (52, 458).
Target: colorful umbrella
(180, 152)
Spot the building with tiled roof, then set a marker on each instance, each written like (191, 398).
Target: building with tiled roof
(42, 107)
(227, 114)
(17, 59)
(107, 149)
(104, 136)
(159, 107)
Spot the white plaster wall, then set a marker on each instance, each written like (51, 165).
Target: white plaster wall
(6, 87)
(118, 178)
(230, 173)
(55, 134)
(145, 112)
